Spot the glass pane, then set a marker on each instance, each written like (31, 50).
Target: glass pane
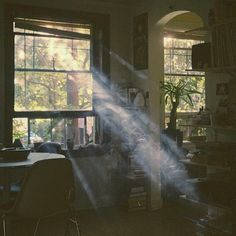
(79, 130)
(40, 130)
(48, 130)
(192, 83)
(20, 130)
(44, 91)
(177, 54)
(58, 129)
(52, 72)
(90, 130)
(51, 53)
(79, 91)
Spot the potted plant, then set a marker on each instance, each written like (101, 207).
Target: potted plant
(175, 93)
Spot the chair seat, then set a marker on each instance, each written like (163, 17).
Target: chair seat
(44, 197)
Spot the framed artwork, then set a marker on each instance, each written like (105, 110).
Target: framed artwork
(140, 41)
(136, 97)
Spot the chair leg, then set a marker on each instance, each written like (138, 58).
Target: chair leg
(77, 226)
(75, 222)
(4, 226)
(36, 227)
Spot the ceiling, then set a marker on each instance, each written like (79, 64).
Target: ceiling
(184, 22)
(181, 23)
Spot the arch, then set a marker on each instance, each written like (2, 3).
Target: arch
(165, 19)
(156, 55)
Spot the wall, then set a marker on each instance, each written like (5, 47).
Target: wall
(1, 71)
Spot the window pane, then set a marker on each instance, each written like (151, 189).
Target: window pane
(91, 129)
(79, 130)
(177, 54)
(52, 72)
(40, 130)
(44, 91)
(20, 130)
(51, 53)
(193, 83)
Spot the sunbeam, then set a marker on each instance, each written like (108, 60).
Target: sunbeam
(139, 136)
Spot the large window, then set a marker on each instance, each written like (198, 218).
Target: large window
(53, 81)
(52, 66)
(178, 63)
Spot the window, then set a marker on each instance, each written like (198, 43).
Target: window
(177, 61)
(53, 81)
(52, 66)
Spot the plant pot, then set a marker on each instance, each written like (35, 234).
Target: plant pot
(174, 134)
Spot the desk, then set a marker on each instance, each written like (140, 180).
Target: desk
(32, 158)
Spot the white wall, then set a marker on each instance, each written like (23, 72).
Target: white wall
(1, 71)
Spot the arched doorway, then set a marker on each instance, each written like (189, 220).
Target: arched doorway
(177, 23)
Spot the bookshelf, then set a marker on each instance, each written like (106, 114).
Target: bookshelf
(221, 31)
(224, 44)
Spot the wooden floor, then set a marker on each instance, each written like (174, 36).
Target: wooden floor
(167, 221)
(120, 222)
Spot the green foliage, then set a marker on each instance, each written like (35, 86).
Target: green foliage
(177, 92)
(19, 130)
(51, 74)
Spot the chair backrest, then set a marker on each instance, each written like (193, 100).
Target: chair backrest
(51, 147)
(46, 189)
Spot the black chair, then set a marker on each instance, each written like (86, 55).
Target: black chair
(46, 193)
(50, 147)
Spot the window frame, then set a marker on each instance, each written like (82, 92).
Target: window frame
(184, 114)
(100, 59)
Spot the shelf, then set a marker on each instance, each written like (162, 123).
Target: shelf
(215, 69)
(208, 180)
(189, 162)
(196, 180)
(225, 208)
(210, 127)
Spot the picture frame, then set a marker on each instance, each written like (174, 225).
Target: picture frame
(140, 41)
(136, 97)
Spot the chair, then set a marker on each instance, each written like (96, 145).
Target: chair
(50, 147)
(46, 193)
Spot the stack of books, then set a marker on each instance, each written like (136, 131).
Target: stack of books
(137, 196)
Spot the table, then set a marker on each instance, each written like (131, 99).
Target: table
(32, 158)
